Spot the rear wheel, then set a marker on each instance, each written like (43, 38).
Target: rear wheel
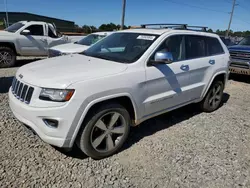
(213, 99)
(7, 57)
(105, 131)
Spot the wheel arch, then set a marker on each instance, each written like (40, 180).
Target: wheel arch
(222, 75)
(10, 45)
(124, 99)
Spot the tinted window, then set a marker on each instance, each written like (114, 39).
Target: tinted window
(35, 30)
(195, 47)
(175, 45)
(213, 46)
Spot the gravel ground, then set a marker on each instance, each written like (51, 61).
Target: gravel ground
(184, 148)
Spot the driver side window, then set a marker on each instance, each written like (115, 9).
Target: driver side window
(35, 30)
(175, 45)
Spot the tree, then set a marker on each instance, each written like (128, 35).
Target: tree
(210, 31)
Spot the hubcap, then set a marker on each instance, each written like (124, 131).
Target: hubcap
(215, 96)
(108, 131)
(5, 57)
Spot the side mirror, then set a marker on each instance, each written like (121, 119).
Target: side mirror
(25, 32)
(162, 58)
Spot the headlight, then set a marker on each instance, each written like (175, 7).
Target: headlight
(59, 95)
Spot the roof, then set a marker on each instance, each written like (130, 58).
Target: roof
(162, 31)
(36, 15)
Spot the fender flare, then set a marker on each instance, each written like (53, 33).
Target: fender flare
(212, 79)
(84, 109)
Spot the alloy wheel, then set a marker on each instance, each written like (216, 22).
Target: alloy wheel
(5, 58)
(108, 131)
(215, 96)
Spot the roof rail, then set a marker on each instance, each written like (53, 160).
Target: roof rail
(175, 26)
(203, 28)
(166, 25)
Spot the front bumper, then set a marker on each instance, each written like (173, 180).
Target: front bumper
(33, 118)
(238, 70)
(239, 67)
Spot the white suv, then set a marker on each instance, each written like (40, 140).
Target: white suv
(121, 81)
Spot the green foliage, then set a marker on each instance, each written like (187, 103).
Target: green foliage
(104, 27)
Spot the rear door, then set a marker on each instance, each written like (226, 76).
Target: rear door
(203, 54)
(35, 43)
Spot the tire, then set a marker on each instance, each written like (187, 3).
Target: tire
(7, 57)
(214, 93)
(98, 138)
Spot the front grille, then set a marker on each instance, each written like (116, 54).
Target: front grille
(240, 65)
(54, 53)
(22, 91)
(240, 55)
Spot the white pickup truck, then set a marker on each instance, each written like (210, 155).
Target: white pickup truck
(28, 38)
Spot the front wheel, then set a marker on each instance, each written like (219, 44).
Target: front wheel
(213, 98)
(7, 57)
(105, 131)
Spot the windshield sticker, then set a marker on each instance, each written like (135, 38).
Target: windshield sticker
(146, 37)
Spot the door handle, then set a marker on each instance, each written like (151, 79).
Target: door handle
(211, 61)
(184, 67)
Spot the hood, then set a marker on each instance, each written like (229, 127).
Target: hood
(5, 33)
(70, 48)
(60, 72)
(239, 48)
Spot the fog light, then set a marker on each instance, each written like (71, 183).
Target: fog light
(51, 123)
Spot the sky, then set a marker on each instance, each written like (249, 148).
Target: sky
(211, 13)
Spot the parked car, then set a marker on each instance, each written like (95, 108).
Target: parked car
(240, 56)
(121, 81)
(27, 38)
(78, 46)
(227, 41)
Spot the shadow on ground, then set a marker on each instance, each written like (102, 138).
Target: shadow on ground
(5, 83)
(240, 78)
(151, 126)
(165, 121)
(74, 152)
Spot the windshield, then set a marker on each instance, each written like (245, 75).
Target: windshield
(122, 47)
(13, 28)
(245, 41)
(90, 39)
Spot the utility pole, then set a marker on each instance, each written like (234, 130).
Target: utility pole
(123, 13)
(231, 17)
(6, 12)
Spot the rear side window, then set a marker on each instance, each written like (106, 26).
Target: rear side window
(36, 30)
(195, 47)
(214, 47)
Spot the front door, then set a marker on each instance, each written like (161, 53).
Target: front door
(35, 43)
(168, 84)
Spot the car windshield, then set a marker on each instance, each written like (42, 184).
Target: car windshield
(122, 47)
(13, 28)
(245, 41)
(90, 39)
